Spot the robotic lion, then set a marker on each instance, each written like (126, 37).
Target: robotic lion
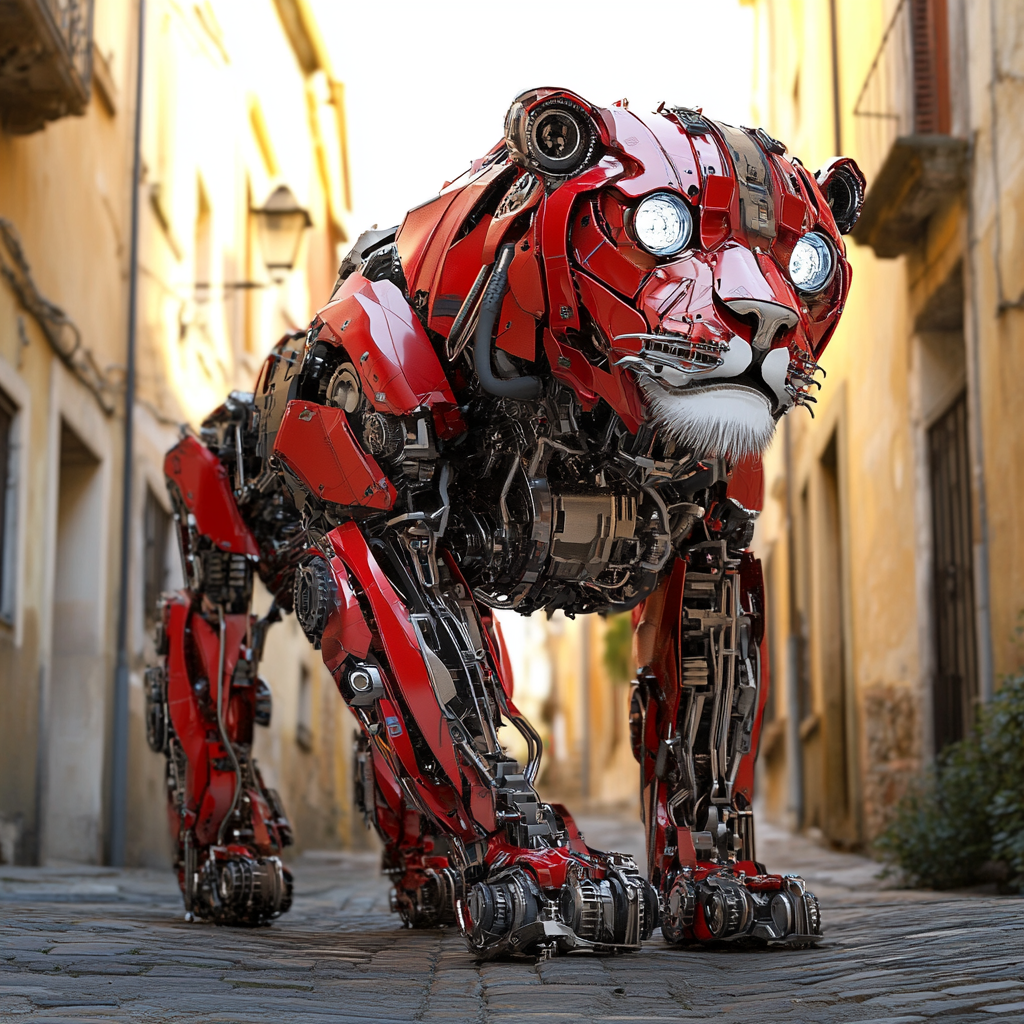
(549, 388)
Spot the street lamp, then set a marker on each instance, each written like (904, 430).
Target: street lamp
(280, 223)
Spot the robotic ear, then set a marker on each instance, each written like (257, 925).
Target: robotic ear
(552, 133)
(842, 184)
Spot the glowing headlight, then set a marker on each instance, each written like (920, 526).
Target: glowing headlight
(662, 224)
(811, 265)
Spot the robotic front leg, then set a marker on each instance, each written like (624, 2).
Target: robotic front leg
(695, 719)
(203, 701)
(467, 839)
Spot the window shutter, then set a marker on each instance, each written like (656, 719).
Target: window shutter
(930, 62)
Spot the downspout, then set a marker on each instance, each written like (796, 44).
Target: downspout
(972, 343)
(119, 767)
(837, 124)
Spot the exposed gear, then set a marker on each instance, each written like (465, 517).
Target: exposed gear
(720, 905)
(244, 890)
(513, 913)
(314, 598)
(157, 723)
(382, 434)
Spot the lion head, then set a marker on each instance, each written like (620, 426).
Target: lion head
(685, 271)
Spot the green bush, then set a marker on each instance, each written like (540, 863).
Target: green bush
(618, 647)
(964, 822)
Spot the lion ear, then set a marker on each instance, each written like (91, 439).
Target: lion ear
(842, 184)
(552, 132)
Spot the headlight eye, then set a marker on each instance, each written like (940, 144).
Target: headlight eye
(663, 224)
(812, 264)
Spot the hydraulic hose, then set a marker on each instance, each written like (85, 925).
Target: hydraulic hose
(520, 388)
(222, 729)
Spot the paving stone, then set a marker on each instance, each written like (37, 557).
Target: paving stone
(70, 1020)
(947, 1007)
(80, 1001)
(254, 981)
(992, 986)
(339, 956)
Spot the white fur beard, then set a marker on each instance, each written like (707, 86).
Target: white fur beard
(724, 420)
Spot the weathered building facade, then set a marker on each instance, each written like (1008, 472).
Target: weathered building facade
(572, 681)
(892, 538)
(239, 101)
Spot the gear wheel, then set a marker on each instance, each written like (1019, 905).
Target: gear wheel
(314, 598)
(382, 434)
(727, 909)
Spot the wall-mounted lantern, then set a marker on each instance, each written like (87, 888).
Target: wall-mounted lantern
(280, 223)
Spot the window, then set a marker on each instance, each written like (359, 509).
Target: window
(203, 245)
(829, 628)
(8, 546)
(304, 725)
(156, 527)
(930, 66)
(802, 626)
(956, 645)
(251, 301)
(770, 614)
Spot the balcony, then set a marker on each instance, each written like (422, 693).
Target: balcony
(912, 163)
(45, 61)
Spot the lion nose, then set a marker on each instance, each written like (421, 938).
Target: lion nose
(770, 318)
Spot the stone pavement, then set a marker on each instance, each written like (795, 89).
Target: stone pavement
(93, 945)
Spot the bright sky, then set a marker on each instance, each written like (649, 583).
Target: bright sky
(428, 83)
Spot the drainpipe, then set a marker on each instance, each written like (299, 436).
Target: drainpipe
(119, 766)
(972, 344)
(837, 124)
(975, 436)
(794, 748)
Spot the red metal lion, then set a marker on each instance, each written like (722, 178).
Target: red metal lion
(550, 387)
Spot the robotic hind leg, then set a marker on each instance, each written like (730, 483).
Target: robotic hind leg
(202, 702)
(467, 838)
(695, 719)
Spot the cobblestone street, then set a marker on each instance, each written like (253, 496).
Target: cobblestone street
(93, 945)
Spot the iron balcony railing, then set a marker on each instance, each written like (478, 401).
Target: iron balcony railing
(906, 89)
(46, 66)
(73, 21)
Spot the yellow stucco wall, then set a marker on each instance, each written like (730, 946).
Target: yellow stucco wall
(887, 378)
(228, 114)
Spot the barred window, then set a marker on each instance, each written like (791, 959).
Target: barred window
(304, 723)
(154, 566)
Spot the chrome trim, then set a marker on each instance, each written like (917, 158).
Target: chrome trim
(674, 351)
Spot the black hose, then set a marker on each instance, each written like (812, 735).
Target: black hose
(519, 388)
(222, 728)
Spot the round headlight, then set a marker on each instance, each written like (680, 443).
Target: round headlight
(812, 264)
(663, 224)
